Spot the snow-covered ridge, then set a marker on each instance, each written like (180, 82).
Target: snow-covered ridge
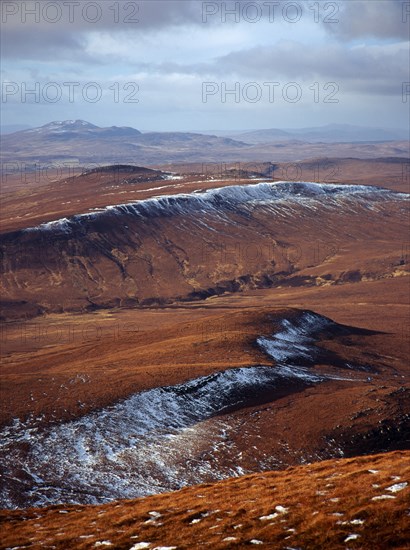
(296, 340)
(234, 196)
(137, 447)
(143, 444)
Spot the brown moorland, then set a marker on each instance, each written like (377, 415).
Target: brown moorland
(49, 193)
(62, 366)
(364, 411)
(184, 247)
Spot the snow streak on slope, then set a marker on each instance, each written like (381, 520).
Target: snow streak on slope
(242, 197)
(296, 340)
(157, 440)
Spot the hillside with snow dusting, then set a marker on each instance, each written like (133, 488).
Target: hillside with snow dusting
(193, 246)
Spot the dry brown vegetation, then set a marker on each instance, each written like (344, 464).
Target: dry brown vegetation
(121, 354)
(392, 173)
(141, 256)
(31, 198)
(311, 507)
(123, 351)
(64, 365)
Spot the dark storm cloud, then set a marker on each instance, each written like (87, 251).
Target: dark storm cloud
(47, 30)
(367, 68)
(30, 44)
(372, 18)
(133, 14)
(98, 15)
(374, 70)
(296, 61)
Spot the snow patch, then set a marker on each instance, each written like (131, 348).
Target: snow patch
(132, 448)
(357, 522)
(397, 487)
(352, 537)
(281, 509)
(269, 517)
(296, 342)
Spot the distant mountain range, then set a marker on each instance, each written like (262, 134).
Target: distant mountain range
(79, 141)
(330, 133)
(83, 130)
(335, 133)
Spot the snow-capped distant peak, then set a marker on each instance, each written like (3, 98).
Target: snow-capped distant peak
(69, 124)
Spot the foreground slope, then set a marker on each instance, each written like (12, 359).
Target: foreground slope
(337, 504)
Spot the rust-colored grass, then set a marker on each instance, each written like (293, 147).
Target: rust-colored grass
(121, 357)
(316, 506)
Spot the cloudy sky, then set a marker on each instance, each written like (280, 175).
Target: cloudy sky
(212, 65)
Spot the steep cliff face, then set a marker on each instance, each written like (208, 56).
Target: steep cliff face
(192, 246)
